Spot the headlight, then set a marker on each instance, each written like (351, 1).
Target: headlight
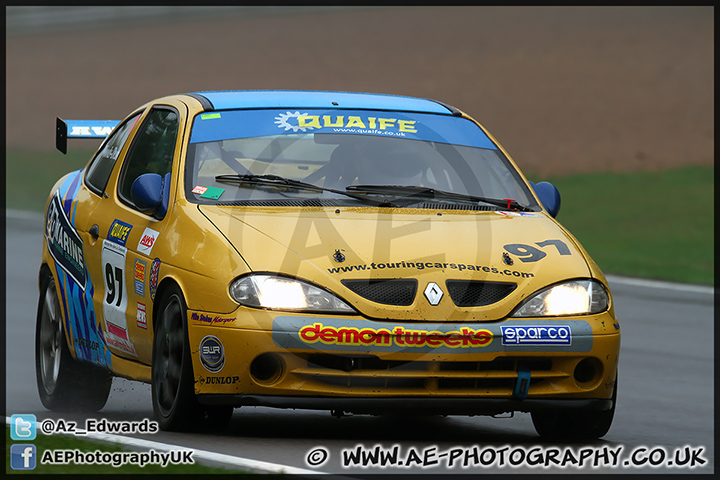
(575, 297)
(282, 293)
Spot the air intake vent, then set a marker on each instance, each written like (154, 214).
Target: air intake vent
(477, 294)
(395, 291)
(310, 202)
(456, 206)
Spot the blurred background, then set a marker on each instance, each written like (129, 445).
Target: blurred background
(623, 94)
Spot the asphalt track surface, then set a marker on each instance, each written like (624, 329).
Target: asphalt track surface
(665, 399)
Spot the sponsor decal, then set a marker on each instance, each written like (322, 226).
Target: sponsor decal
(199, 189)
(289, 121)
(212, 193)
(506, 259)
(212, 354)
(119, 232)
(64, 243)
(423, 265)
(90, 128)
(210, 116)
(212, 319)
(147, 240)
(302, 122)
(517, 214)
(117, 331)
(537, 335)
(398, 335)
(411, 125)
(89, 344)
(154, 274)
(139, 274)
(141, 316)
(354, 335)
(218, 380)
(116, 298)
(339, 257)
(122, 345)
(616, 325)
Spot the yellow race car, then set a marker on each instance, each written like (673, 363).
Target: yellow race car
(350, 252)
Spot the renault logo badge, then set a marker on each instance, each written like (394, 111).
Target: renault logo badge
(433, 293)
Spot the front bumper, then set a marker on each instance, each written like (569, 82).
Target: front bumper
(363, 366)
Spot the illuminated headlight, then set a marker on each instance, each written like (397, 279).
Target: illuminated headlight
(282, 293)
(575, 297)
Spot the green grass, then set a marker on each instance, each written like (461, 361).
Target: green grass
(58, 442)
(643, 224)
(655, 225)
(31, 175)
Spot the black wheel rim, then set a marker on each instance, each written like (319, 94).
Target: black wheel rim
(169, 358)
(50, 339)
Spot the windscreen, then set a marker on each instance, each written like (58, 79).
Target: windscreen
(337, 149)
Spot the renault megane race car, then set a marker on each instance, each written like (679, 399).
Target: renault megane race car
(350, 252)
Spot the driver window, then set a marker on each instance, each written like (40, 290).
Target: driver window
(152, 150)
(100, 169)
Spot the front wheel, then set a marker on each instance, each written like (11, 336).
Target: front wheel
(173, 394)
(64, 384)
(575, 425)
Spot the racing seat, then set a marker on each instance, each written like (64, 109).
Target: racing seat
(340, 170)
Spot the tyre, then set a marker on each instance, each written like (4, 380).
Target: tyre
(64, 384)
(575, 425)
(173, 394)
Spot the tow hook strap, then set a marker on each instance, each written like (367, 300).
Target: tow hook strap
(522, 385)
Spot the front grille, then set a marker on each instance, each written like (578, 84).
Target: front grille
(394, 291)
(497, 377)
(466, 293)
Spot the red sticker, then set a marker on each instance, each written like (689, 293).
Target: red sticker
(199, 189)
(141, 316)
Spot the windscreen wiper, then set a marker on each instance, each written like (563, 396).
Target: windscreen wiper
(427, 192)
(278, 181)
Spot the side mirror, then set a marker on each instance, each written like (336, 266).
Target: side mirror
(149, 193)
(549, 196)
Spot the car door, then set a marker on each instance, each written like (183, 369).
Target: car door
(75, 201)
(124, 251)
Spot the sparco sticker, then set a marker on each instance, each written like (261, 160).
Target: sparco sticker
(537, 335)
(64, 243)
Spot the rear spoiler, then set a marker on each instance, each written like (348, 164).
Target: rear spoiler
(81, 129)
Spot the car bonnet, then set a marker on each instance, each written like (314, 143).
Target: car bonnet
(329, 246)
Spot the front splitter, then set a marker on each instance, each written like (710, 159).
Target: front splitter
(438, 406)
